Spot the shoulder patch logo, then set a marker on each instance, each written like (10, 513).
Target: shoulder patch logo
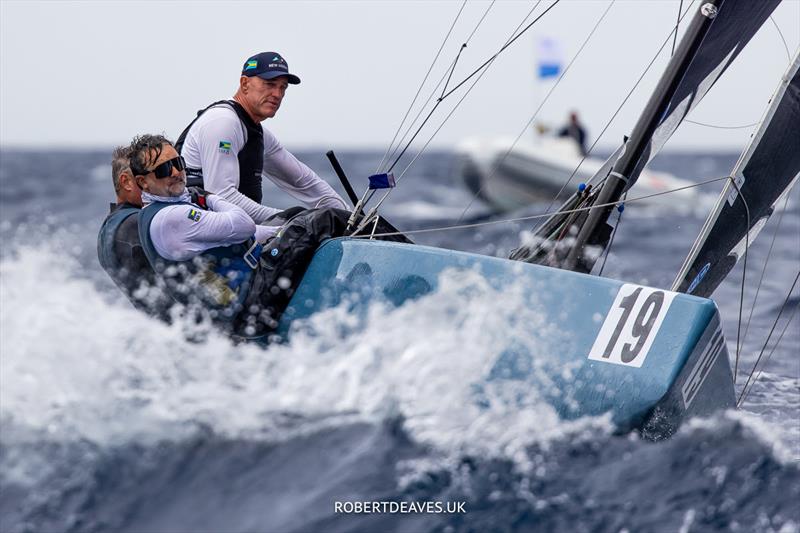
(225, 147)
(251, 65)
(194, 215)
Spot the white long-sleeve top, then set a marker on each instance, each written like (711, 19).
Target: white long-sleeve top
(213, 144)
(181, 231)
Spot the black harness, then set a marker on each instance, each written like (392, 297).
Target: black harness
(251, 156)
(123, 257)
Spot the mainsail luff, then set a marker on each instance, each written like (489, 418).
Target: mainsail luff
(766, 170)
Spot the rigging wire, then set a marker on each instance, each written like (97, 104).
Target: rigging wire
(544, 215)
(613, 234)
(453, 69)
(413, 123)
(614, 116)
(732, 181)
(436, 88)
(423, 82)
(536, 113)
(774, 347)
(745, 390)
(508, 43)
(483, 69)
(369, 193)
(764, 269)
(677, 23)
(513, 37)
(480, 21)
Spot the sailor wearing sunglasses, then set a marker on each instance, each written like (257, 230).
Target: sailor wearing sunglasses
(206, 252)
(119, 249)
(181, 229)
(210, 260)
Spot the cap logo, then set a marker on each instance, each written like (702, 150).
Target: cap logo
(276, 58)
(251, 64)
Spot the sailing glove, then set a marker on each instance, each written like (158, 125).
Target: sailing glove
(199, 196)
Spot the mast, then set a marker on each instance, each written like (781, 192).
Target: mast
(627, 168)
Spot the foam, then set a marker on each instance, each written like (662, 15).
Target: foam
(78, 364)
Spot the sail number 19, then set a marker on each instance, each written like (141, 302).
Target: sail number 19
(631, 325)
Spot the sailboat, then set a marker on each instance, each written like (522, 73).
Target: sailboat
(646, 356)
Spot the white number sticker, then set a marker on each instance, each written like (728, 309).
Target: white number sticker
(631, 325)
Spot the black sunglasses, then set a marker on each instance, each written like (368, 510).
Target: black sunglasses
(164, 170)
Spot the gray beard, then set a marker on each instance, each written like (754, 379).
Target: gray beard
(148, 198)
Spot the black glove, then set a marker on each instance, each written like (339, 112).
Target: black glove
(199, 196)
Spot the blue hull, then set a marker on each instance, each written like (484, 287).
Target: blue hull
(648, 357)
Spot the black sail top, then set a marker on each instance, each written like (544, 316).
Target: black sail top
(767, 169)
(735, 23)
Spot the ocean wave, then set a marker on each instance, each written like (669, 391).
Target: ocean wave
(112, 420)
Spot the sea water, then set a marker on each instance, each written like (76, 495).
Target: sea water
(113, 421)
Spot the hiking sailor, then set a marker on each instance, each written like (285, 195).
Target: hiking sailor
(118, 246)
(227, 150)
(206, 251)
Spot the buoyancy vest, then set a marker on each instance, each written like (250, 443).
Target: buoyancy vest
(217, 281)
(251, 156)
(121, 255)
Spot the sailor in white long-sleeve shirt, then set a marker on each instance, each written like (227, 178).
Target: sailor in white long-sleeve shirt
(206, 252)
(184, 230)
(177, 236)
(227, 150)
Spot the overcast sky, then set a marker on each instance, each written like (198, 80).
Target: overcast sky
(96, 73)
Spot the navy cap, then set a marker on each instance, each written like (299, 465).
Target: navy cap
(268, 65)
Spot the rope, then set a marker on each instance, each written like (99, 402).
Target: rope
(766, 342)
(422, 84)
(543, 215)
